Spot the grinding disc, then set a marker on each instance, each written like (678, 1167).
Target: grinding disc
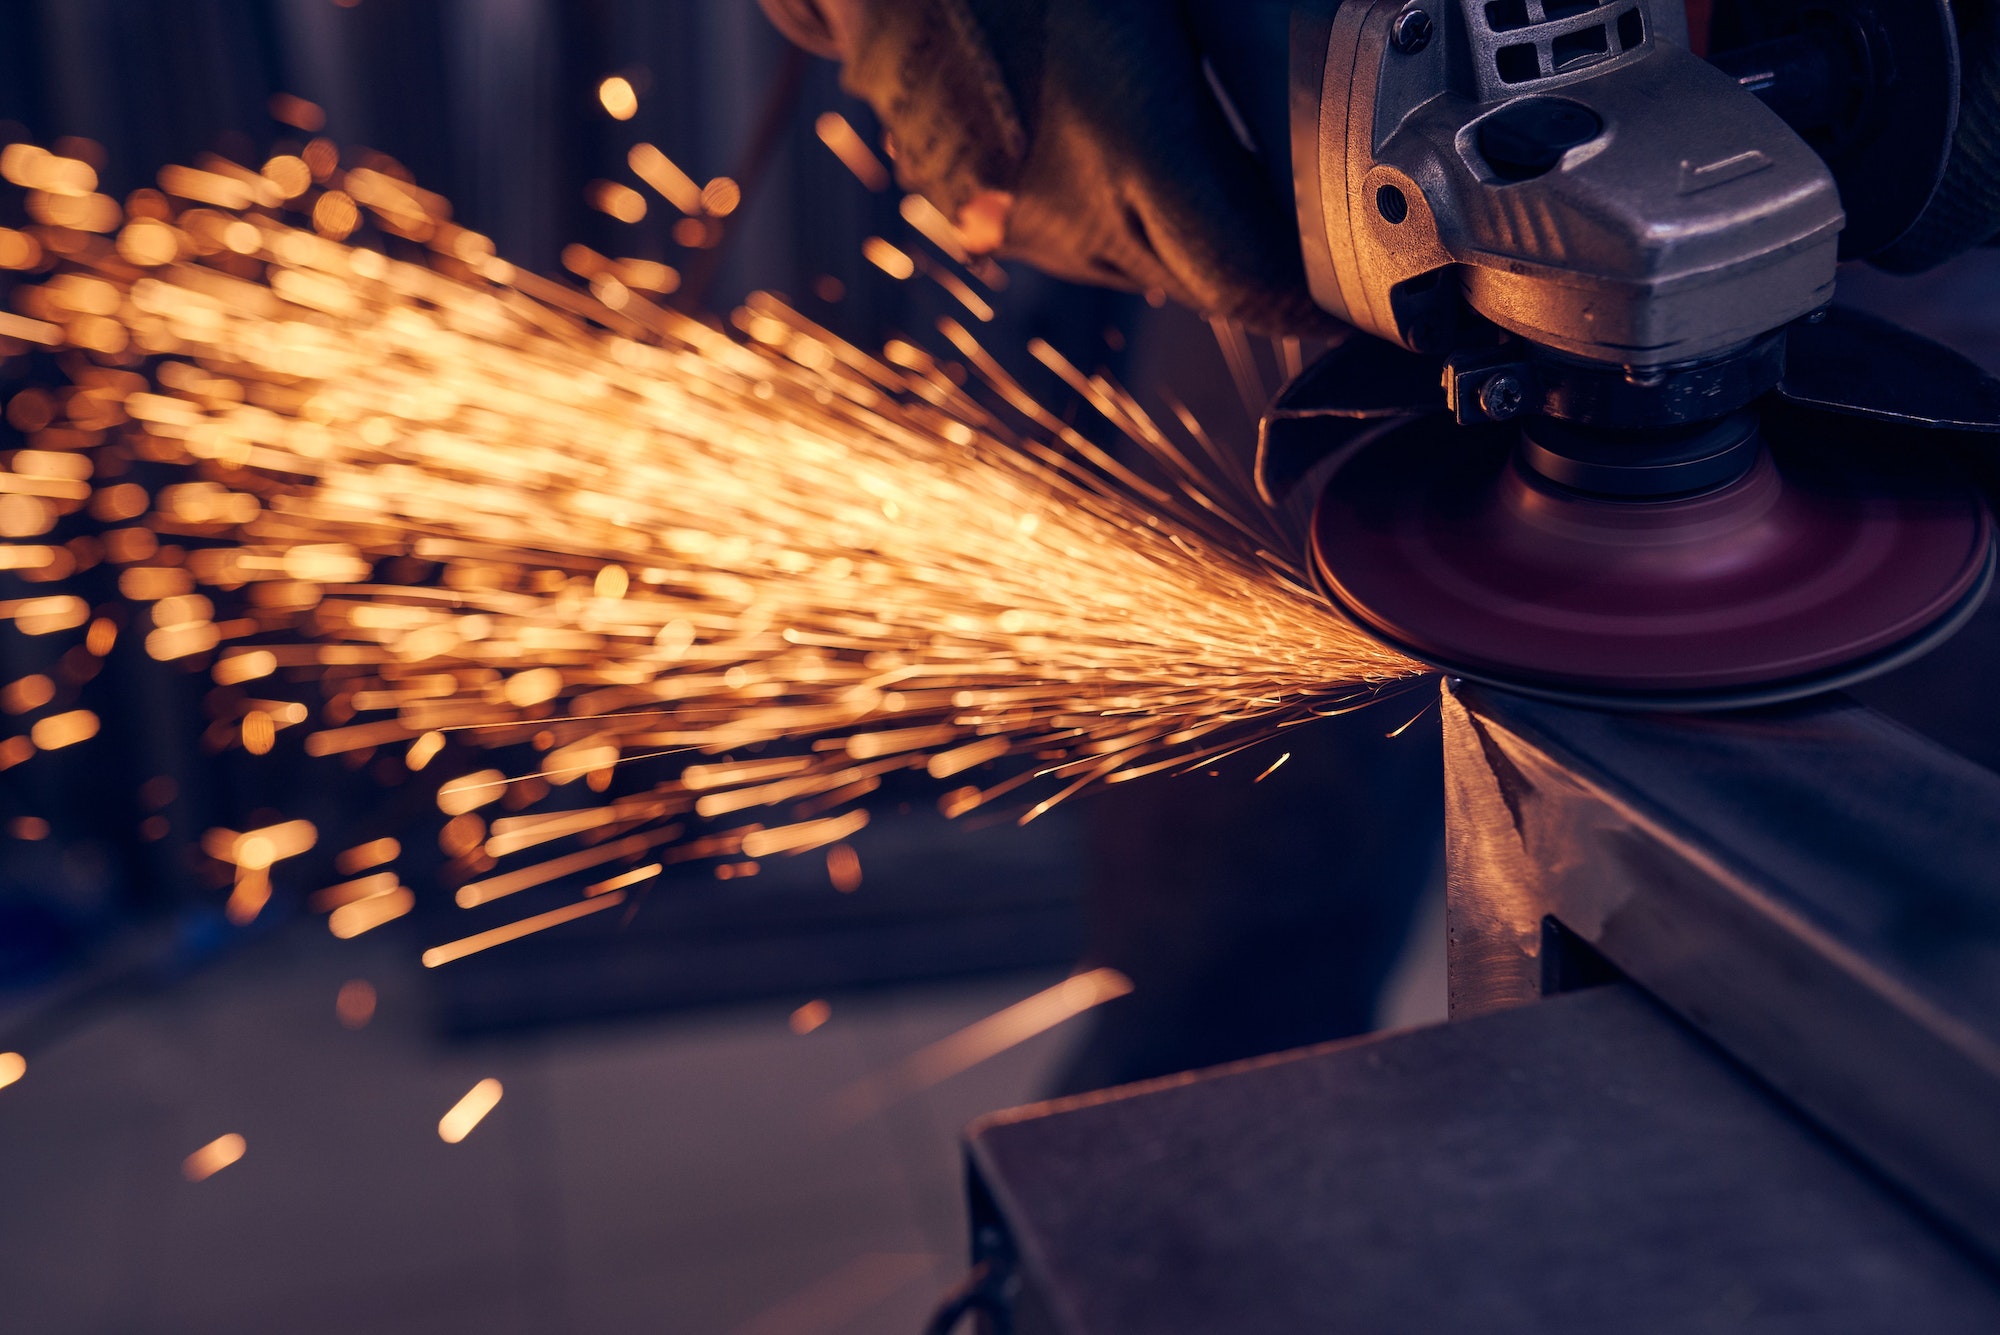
(1845, 550)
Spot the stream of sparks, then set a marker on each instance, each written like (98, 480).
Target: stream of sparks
(575, 531)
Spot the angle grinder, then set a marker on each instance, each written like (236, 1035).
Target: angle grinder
(1602, 435)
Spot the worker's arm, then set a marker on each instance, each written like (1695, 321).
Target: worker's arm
(1082, 136)
(1078, 135)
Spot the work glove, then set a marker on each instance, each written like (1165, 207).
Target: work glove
(1080, 136)
(1965, 212)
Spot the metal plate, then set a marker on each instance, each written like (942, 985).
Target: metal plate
(1578, 1166)
(1813, 887)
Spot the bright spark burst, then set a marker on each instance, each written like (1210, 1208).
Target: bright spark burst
(580, 531)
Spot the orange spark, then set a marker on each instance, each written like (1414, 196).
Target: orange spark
(469, 1111)
(213, 1157)
(363, 856)
(618, 98)
(838, 135)
(354, 1005)
(987, 1038)
(646, 539)
(514, 931)
(843, 868)
(365, 915)
(1273, 768)
(60, 730)
(810, 1017)
(656, 169)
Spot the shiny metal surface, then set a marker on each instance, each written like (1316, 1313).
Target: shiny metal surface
(1573, 1168)
(1813, 888)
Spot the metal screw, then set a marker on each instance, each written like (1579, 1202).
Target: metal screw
(1502, 396)
(1412, 32)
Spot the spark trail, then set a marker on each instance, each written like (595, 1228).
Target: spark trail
(583, 530)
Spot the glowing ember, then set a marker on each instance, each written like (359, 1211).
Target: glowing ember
(364, 915)
(363, 856)
(354, 1005)
(656, 169)
(469, 1111)
(843, 868)
(978, 1042)
(494, 513)
(618, 98)
(810, 1016)
(847, 144)
(514, 931)
(213, 1157)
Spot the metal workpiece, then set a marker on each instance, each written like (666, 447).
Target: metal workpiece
(1616, 198)
(1585, 1165)
(1813, 888)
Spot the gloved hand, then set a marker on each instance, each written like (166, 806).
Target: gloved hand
(1966, 210)
(1078, 135)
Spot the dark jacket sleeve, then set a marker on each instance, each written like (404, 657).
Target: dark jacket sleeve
(1094, 117)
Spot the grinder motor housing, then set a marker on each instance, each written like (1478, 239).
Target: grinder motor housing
(1573, 173)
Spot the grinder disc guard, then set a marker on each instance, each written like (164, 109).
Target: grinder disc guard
(1841, 553)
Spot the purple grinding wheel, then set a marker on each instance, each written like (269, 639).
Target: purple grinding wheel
(1847, 549)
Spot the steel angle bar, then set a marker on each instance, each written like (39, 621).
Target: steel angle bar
(1813, 887)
